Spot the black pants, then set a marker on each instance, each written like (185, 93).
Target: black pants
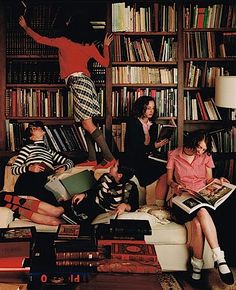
(32, 184)
(84, 212)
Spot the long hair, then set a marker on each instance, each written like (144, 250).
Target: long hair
(140, 107)
(192, 140)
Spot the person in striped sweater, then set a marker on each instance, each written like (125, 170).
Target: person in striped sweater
(34, 162)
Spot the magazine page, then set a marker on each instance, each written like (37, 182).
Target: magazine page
(189, 203)
(215, 193)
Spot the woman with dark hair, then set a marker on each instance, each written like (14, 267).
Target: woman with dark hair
(33, 162)
(141, 140)
(75, 49)
(190, 167)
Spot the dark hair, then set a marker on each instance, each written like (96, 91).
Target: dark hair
(140, 106)
(28, 132)
(127, 173)
(192, 139)
(79, 29)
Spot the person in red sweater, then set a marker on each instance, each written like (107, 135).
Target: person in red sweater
(74, 54)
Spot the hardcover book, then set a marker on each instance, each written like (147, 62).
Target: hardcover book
(124, 229)
(65, 188)
(82, 243)
(16, 242)
(14, 264)
(68, 231)
(133, 252)
(121, 266)
(166, 131)
(212, 196)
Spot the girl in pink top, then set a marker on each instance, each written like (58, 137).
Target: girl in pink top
(190, 167)
(74, 54)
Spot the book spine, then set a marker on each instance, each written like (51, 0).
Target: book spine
(83, 263)
(77, 255)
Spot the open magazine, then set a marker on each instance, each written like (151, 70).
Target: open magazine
(212, 195)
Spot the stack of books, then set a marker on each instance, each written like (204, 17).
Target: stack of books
(76, 253)
(129, 252)
(16, 246)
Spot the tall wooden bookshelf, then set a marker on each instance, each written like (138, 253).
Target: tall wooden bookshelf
(165, 38)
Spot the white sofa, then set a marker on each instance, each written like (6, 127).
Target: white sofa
(170, 239)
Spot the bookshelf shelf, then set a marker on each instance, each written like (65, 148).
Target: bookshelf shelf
(148, 63)
(146, 85)
(167, 22)
(30, 85)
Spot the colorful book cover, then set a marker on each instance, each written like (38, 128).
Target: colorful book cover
(130, 251)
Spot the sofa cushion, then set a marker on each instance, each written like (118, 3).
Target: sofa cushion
(6, 217)
(169, 234)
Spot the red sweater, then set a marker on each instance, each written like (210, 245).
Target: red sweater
(73, 57)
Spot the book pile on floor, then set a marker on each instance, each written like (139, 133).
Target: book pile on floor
(16, 247)
(76, 255)
(65, 258)
(129, 252)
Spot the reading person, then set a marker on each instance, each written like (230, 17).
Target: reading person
(114, 192)
(32, 209)
(141, 140)
(190, 167)
(75, 49)
(32, 162)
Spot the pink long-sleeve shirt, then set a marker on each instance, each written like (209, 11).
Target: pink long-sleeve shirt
(73, 57)
(194, 175)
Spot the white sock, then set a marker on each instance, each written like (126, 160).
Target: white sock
(197, 267)
(219, 257)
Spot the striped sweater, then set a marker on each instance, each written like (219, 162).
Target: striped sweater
(110, 194)
(37, 153)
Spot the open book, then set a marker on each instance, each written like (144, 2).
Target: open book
(212, 195)
(104, 218)
(167, 130)
(158, 156)
(50, 169)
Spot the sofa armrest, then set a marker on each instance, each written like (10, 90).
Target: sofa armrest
(6, 217)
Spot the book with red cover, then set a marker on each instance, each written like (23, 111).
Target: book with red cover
(133, 252)
(120, 266)
(14, 264)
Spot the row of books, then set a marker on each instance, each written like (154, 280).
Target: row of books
(124, 98)
(18, 43)
(203, 44)
(202, 74)
(211, 16)
(98, 73)
(143, 75)
(30, 102)
(224, 140)
(35, 72)
(143, 49)
(198, 108)
(58, 137)
(134, 18)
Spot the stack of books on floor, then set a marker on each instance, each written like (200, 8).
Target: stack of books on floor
(16, 247)
(76, 254)
(129, 253)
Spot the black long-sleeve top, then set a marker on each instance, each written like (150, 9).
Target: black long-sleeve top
(136, 152)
